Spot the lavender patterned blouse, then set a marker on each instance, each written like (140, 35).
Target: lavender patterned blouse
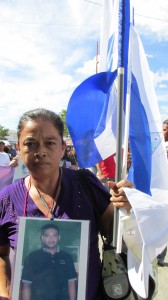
(73, 203)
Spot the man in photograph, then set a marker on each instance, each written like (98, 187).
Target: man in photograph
(48, 273)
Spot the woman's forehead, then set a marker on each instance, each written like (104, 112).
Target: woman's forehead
(39, 126)
(37, 122)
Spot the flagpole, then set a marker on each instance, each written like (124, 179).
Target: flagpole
(119, 145)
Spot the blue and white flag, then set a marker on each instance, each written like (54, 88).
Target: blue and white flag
(91, 119)
(87, 116)
(148, 235)
(149, 172)
(91, 113)
(149, 161)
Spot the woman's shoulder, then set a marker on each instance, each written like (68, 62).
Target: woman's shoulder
(10, 203)
(69, 175)
(72, 180)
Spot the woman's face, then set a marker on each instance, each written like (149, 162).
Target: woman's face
(40, 147)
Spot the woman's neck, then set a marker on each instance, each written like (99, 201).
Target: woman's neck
(44, 185)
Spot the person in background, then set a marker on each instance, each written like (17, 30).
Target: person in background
(165, 133)
(68, 161)
(129, 158)
(5, 159)
(6, 150)
(161, 256)
(71, 156)
(12, 151)
(53, 192)
(106, 170)
(49, 273)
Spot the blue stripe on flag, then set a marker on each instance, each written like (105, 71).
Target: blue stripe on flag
(140, 142)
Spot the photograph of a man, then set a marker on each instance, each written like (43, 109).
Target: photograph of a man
(48, 273)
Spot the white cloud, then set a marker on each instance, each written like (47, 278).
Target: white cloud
(43, 44)
(89, 68)
(151, 17)
(48, 48)
(163, 86)
(161, 78)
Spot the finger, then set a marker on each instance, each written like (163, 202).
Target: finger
(124, 183)
(126, 205)
(117, 192)
(119, 198)
(121, 202)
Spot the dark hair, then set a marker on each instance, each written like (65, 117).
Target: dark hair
(6, 149)
(49, 226)
(165, 122)
(44, 114)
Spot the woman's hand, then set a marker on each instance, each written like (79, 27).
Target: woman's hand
(119, 198)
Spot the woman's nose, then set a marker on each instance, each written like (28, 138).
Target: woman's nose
(40, 151)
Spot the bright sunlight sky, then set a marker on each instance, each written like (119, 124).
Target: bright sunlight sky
(48, 48)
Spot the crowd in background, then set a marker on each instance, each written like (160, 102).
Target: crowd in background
(104, 170)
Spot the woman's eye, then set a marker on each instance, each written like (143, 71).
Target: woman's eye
(50, 143)
(31, 144)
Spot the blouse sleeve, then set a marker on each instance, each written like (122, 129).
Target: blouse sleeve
(7, 217)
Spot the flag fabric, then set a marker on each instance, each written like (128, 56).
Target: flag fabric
(145, 123)
(145, 233)
(149, 172)
(87, 116)
(146, 138)
(92, 109)
(6, 176)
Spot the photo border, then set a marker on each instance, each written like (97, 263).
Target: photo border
(83, 253)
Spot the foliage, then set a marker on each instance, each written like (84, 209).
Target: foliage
(62, 115)
(3, 132)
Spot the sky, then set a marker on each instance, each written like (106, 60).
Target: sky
(48, 47)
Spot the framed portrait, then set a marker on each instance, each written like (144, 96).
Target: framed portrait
(51, 259)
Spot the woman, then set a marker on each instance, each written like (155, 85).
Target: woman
(52, 192)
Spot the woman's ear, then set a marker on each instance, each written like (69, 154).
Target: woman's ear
(63, 147)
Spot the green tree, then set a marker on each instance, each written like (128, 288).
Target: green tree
(3, 132)
(62, 115)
